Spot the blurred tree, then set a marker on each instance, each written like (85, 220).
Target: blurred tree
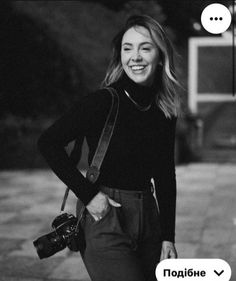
(35, 73)
(81, 29)
(150, 8)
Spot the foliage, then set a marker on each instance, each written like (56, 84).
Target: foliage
(18, 138)
(36, 75)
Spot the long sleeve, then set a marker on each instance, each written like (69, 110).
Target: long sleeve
(76, 123)
(165, 180)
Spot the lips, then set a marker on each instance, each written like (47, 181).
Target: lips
(137, 67)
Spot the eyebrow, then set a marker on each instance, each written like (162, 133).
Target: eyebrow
(143, 43)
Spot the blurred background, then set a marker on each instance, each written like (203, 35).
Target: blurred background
(52, 53)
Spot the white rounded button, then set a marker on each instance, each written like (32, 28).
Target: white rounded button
(193, 270)
(216, 18)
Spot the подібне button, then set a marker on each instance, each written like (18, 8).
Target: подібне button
(193, 270)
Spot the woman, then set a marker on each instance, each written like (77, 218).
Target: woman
(126, 232)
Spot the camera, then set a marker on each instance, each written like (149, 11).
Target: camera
(64, 235)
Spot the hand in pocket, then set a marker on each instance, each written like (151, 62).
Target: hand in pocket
(99, 206)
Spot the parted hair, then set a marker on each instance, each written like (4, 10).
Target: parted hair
(165, 77)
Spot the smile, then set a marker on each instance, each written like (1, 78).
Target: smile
(137, 67)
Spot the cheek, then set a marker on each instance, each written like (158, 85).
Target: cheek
(154, 60)
(124, 59)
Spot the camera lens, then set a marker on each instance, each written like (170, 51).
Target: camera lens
(49, 244)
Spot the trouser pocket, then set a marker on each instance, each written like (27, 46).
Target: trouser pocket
(107, 232)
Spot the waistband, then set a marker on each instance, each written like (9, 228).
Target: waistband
(131, 193)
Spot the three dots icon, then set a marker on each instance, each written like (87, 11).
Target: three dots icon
(216, 18)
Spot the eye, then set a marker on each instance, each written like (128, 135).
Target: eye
(126, 49)
(147, 47)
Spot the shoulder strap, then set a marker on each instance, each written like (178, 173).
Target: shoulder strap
(94, 169)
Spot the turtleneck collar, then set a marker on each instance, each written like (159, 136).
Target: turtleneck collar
(143, 95)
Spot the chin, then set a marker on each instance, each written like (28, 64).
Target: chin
(139, 80)
(144, 82)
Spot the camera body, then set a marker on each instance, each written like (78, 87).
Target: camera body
(63, 236)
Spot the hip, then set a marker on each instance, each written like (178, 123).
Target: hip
(136, 221)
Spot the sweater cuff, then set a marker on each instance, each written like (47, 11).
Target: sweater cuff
(87, 192)
(168, 237)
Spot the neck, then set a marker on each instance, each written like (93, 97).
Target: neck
(141, 94)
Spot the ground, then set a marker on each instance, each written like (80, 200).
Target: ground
(29, 201)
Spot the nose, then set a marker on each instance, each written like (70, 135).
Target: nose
(136, 56)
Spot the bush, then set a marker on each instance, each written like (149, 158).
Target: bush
(18, 138)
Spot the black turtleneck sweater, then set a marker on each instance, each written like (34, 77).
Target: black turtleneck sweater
(141, 148)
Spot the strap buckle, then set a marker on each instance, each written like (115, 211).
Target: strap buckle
(92, 174)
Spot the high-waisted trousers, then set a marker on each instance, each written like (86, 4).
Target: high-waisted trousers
(125, 244)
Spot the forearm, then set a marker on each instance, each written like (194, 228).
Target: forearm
(165, 179)
(66, 170)
(166, 197)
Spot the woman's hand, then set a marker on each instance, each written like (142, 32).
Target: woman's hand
(168, 251)
(100, 204)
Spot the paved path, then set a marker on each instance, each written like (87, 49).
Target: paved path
(29, 200)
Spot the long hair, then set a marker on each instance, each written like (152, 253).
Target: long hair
(166, 96)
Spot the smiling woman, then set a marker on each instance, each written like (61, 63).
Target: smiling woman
(127, 233)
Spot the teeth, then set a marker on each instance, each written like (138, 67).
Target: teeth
(137, 67)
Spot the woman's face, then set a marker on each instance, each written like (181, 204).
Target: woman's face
(139, 55)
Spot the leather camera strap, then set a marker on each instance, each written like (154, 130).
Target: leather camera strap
(94, 169)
